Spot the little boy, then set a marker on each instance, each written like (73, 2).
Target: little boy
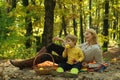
(73, 54)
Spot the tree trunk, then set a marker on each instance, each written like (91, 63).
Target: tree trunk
(106, 25)
(81, 26)
(115, 23)
(14, 2)
(75, 27)
(49, 20)
(28, 26)
(33, 2)
(64, 25)
(74, 21)
(90, 19)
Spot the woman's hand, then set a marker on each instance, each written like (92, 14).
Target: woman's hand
(57, 39)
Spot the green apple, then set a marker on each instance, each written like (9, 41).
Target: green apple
(41, 68)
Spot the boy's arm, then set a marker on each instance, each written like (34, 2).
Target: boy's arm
(81, 56)
(64, 53)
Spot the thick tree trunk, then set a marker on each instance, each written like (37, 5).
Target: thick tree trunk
(49, 20)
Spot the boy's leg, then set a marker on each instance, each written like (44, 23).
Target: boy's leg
(65, 66)
(76, 68)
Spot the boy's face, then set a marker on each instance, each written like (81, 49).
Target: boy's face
(70, 42)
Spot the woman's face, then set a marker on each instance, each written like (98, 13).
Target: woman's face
(88, 36)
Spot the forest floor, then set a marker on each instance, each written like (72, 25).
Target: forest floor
(9, 72)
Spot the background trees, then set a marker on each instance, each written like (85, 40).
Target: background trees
(27, 25)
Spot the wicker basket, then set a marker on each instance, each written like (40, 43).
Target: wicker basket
(45, 70)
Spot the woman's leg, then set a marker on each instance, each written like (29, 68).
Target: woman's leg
(56, 48)
(29, 62)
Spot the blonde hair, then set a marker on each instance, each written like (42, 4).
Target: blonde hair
(94, 34)
(71, 37)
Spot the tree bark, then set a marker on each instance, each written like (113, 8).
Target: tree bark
(74, 21)
(81, 26)
(28, 26)
(90, 18)
(106, 25)
(49, 20)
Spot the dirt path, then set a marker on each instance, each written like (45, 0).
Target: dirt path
(9, 72)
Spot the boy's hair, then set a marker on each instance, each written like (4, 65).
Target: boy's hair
(71, 37)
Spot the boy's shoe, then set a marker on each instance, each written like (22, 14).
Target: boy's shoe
(74, 71)
(60, 69)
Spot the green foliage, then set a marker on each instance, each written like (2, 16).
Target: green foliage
(13, 26)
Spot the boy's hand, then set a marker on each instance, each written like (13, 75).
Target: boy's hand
(67, 46)
(84, 64)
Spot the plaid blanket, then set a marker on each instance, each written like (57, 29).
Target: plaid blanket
(94, 67)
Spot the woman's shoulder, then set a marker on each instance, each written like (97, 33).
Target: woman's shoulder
(96, 47)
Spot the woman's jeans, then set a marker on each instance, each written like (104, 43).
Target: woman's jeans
(57, 58)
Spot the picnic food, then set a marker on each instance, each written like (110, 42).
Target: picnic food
(67, 46)
(41, 68)
(47, 63)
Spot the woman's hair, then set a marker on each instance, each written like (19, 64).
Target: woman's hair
(94, 34)
(71, 37)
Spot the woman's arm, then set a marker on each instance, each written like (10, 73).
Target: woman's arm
(58, 39)
(98, 56)
(81, 56)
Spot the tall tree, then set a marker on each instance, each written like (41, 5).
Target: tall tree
(63, 23)
(90, 18)
(106, 25)
(81, 22)
(74, 20)
(49, 20)
(28, 25)
(115, 23)
(12, 3)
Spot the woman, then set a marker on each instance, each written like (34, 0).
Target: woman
(90, 48)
